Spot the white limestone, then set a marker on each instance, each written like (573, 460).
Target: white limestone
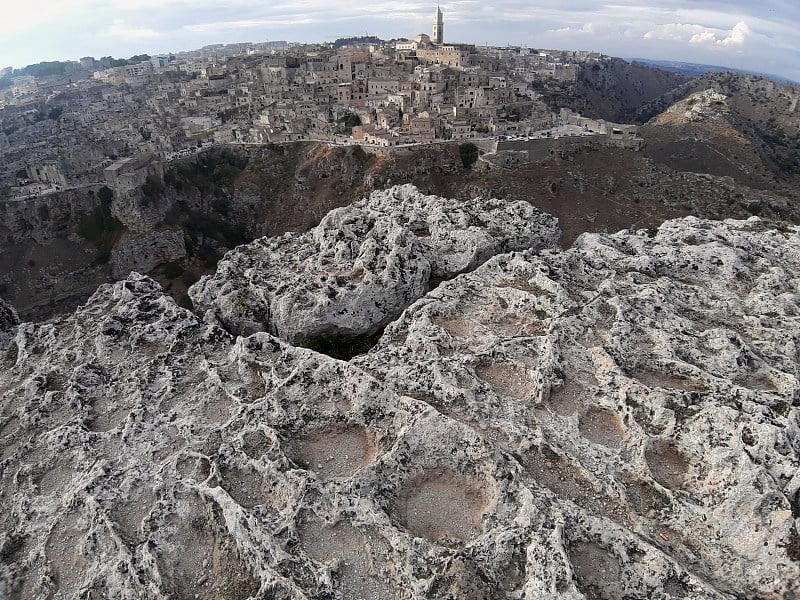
(363, 264)
(617, 420)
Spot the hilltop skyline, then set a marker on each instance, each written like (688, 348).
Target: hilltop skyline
(731, 34)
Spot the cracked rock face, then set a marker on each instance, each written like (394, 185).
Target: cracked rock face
(143, 253)
(614, 421)
(647, 387)
(8, 323)
(363, 264)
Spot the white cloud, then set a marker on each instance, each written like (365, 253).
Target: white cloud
(698, 35)
(586, 28)
(703, 37)
(118, 29)
(738, 35)
(679, 32)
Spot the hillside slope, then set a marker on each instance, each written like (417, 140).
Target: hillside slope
(740, 126)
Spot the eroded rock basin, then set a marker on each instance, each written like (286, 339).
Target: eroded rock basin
(579, 424)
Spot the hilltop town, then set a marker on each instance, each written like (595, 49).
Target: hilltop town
(115, 122)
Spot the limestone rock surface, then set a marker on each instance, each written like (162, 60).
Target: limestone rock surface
(646, 386)
(363, 264)
(618, 420)
(701, 106)
(142, 253)
(147, 454)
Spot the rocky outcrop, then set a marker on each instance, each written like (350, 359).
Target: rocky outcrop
(363, 264)
(8, 324)
(140, 212)
(43, 219)
(142, 253)
(148, 454)
(646, 386)
(614, 421)
(706, 105)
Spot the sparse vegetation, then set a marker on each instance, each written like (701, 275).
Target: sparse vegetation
(101, 228)
(153, 187)
(208, 173)
(468, 153)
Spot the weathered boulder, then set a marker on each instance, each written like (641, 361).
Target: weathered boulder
(363, 264)
(646, 385)
(142, 253)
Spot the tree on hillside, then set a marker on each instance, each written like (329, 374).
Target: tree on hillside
(469, 154)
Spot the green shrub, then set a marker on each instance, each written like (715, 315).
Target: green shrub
(153, 187)
(359, 152)
(101, 228)
(105, 194)
(221, 205)
(468, 153)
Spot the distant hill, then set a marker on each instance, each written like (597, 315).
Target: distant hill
(749, 130)
(356, 41)
(696, 70)
(57, 68)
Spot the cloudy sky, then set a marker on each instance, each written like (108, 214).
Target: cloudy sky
(756, 35)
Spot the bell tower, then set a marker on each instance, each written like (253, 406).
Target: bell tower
(438, 27)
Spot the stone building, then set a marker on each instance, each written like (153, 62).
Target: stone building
(132, 171)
